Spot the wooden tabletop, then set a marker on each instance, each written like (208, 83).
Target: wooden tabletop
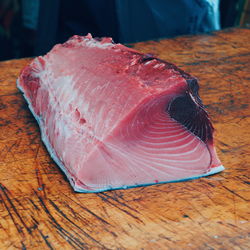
(39, 209)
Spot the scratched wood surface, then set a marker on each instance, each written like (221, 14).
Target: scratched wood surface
(39, 210)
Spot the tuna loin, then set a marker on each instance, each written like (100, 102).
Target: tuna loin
(112, 117)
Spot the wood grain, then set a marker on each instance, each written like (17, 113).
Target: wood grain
(39, 209)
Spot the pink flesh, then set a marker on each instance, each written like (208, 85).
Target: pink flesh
(103, 113)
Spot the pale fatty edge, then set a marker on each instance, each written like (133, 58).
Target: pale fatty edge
(214, 170)
(45, 141)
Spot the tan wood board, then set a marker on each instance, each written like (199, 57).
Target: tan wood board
(39, 209)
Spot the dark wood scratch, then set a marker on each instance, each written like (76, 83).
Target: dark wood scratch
(23, 246)
(45, 238)
(69, 237)
(37, 150)
(115, 205)
(34, 205)
(62, 230)
(15, 144)
(73, 223)
(41, 185)
(89, 211)
(5, 192)
(18, 227)
(14, 94)
(234, 209)
(71, 241)
(118, 201)
(198, 212)
(35, 221)
(234, 193)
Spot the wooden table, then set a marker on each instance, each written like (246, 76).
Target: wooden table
(39, 209)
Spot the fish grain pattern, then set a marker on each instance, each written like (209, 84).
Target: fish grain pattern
(112, 117)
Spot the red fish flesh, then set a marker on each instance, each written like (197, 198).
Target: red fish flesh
(112, 117)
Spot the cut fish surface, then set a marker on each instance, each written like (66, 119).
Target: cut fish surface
(113, 118)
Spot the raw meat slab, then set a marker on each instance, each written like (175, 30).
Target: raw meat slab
(113, 118)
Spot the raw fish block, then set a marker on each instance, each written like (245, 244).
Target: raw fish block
(112, 117)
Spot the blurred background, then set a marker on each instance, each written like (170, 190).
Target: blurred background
(32, 27)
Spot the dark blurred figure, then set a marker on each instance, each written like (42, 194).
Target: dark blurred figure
(8, 16)
(29, 30)
(231, 12)
(60, 19)
(32, 27)
(126, 21)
